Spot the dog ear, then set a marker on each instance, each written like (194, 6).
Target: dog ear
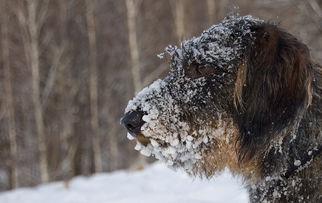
(273, 85)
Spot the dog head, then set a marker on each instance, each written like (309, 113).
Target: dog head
(227, 94)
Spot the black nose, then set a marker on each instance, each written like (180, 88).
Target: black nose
(133, 122)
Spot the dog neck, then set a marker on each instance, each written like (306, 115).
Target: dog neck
(304, 162)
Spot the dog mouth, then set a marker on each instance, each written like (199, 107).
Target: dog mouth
(145, 141)
(141, 139)
(175, 150)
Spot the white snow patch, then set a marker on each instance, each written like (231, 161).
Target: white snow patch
(297, 163)
(129, 136)
(156, 184)
(160, 56)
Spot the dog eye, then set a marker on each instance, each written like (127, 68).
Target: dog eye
(201, 70)
(195, 71)
(205, 70)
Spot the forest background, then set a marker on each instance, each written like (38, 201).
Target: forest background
(69, 67)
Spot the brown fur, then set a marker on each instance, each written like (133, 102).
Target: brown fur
(286, 106)
(276, 77)
(224, 154)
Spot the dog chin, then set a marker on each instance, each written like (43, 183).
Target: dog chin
(184, 153)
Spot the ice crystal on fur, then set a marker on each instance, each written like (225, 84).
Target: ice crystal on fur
(164, 142)
(219, 45)
(172, 139)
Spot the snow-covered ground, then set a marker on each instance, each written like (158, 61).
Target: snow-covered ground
(156, 184)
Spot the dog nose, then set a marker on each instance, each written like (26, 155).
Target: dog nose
(133, 122)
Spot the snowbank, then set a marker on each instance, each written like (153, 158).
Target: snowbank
(156, 184)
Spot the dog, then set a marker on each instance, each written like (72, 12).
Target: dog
(244, 95)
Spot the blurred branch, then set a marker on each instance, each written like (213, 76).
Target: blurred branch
(315, 7)
(43, 12)
(57, 65)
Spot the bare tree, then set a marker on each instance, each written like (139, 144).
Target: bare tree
(132, 10)
(31, 20)
(9, 100)
(93, 90)
(112, 143)
(60, 80)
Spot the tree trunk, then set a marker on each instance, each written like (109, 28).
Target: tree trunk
(113, 151)
(131, 8)
(9, 101)
(211, 9)
(33, 27)
(93, 89)
(178, 13)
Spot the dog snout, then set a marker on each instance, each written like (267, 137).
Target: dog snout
(133, 122)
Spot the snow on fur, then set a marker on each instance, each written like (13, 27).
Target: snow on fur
(172, 140)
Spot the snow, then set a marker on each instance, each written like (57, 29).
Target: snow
(157, 184)
(297, 163)
(221, 43)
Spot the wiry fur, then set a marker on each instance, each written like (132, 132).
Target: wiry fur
(244, 95)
